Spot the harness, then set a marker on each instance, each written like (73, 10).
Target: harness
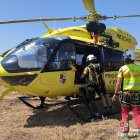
(130, 98)
(97, 82)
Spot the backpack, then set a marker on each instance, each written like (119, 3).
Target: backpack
(96, 73)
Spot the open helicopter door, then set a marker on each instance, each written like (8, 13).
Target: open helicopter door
(57, 76)
(82, 51)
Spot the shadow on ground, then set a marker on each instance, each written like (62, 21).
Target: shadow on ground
(60, 116)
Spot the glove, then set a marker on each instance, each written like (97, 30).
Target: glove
(115, 96)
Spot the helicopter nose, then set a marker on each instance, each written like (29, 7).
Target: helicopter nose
(3, 73)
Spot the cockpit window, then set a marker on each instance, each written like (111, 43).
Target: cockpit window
(33, 55)
(64, 58)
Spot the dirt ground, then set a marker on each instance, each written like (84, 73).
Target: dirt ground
(18, 122)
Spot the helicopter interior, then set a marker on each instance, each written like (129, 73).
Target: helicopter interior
(110, 59)
(82, 51)
(70, 53)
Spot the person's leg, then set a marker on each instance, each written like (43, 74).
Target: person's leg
(103, 100)
(125, 119)
(91, 104)
(100, 92)
(108, 100)
(125, 112)
(136, 114)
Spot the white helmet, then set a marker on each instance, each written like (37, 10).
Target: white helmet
(91, 57)
(131, 54)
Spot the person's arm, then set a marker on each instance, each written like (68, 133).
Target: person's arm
(118, 85)
(84, 73)
(119, 81)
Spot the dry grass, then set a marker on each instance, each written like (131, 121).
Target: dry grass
(18, 122)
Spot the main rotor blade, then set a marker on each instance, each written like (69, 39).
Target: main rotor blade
(37, 19)
(90, 6)
(115, 17)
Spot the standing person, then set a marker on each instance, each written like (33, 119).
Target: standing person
(95, 81)
(128, 81)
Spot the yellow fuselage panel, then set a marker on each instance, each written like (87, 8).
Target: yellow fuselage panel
(72, 31)
(51, 91)
(49, 84)
(125, 39)
(138, 54)
(110, 81)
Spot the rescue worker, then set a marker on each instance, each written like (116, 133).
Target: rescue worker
(95, 82)
(128, 82)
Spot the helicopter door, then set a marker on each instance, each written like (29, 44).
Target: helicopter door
(59, 77)
(82, 51)
(112, 61)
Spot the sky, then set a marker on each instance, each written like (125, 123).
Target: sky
(13, 34)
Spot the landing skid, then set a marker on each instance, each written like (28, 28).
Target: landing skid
(70, 103)
(42, 99)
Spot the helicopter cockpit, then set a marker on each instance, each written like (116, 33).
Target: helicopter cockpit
(31, 56)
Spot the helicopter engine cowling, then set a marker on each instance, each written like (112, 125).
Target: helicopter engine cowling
(96, 27)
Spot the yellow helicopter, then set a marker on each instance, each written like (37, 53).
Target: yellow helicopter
(51, 65)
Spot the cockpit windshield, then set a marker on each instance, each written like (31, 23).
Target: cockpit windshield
(33, 55)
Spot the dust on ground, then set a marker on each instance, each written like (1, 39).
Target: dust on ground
(18, 122)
